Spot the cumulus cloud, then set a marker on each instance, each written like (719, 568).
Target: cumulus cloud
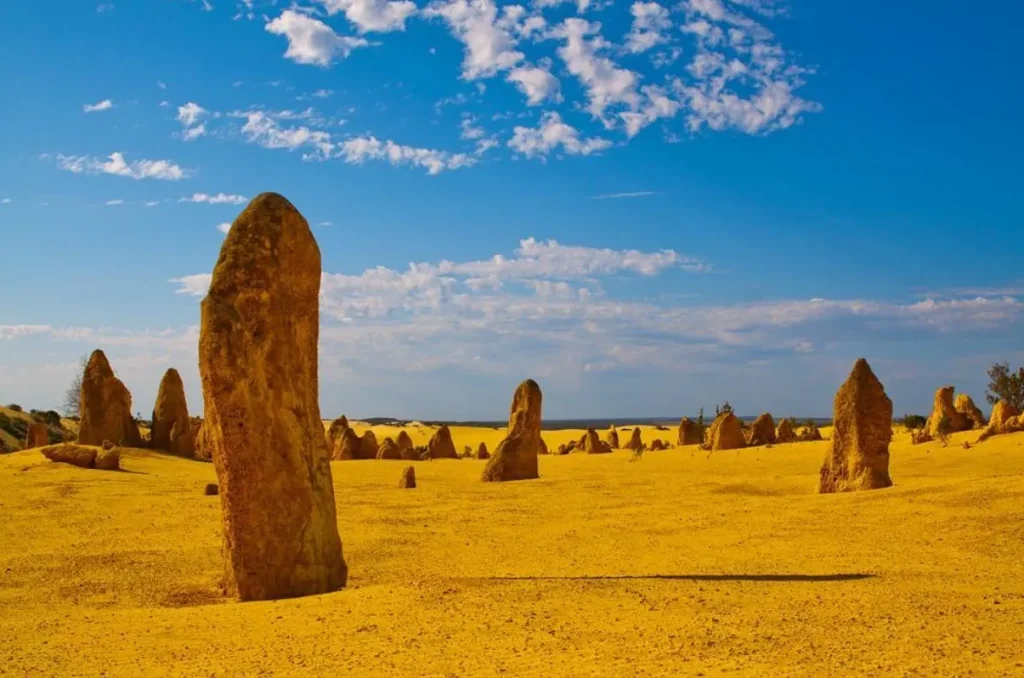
(490, 44)
(650, 27)
(104, 105)
(190, 116)
(551, 134)
(224, 228)
(311, 41)
(373, 15)
(262, 129)
(606, 84)
(536, 83)
(116, 165)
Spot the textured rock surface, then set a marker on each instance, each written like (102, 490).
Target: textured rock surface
(368, 445)
(862, 429)
(591, 443)
(1004, 419)
(809, 434)
(108, 460)
(171, 429)
(106, 407)
(347, 446)
(37, 435)
(943, 407)
(258, 361)
(636, 441)
(762, 431)
(404, 441)
(974, 418)
(338, 427)
(481, 451)
(515, 458)
(611, 437)
(408, 479)
(441, 445)
(689, 432)
(204, 449)
(725, 433)
(76, 455)
(388, 449)
(785, 433)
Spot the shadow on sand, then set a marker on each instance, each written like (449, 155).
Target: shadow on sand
(704, 577)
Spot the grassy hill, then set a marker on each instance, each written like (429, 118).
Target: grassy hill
(15, 422)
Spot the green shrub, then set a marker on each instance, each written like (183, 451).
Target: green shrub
(15, 427)
(914, 421)
(16, 408)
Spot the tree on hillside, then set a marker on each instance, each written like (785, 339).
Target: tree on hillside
(73, 396)
(1006, 385)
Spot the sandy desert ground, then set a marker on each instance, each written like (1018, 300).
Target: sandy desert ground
(680, 564)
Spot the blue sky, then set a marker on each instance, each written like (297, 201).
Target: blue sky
(648, 207)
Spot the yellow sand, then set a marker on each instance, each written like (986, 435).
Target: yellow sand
(678, 564)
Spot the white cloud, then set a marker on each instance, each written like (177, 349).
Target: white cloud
(540, 265)
(19, 331)
(114, 202)
(323, 93)
(655, 103)
(216, 199)
(196, 285)
(536, 83)
(489, 43)
(311, 41)
(190, 116)
(360, 149)
(224, 228)
(262, 129)
(741, 78)
(152, 203)
(650, 23)
(373, 15)
(547, 304)
(551, 134)
(116, 165)
(581, 5)
(5, 201)
(104, 105)
(606, 84)
(618, 196)
(470, 130)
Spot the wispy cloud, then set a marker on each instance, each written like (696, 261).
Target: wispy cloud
(114, 202)
(617, 196)
(311, 41)
(104, 105)
(116, 165)
(215, 199)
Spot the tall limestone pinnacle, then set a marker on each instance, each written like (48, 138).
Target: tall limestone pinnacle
(862, 429)
(258, 362)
